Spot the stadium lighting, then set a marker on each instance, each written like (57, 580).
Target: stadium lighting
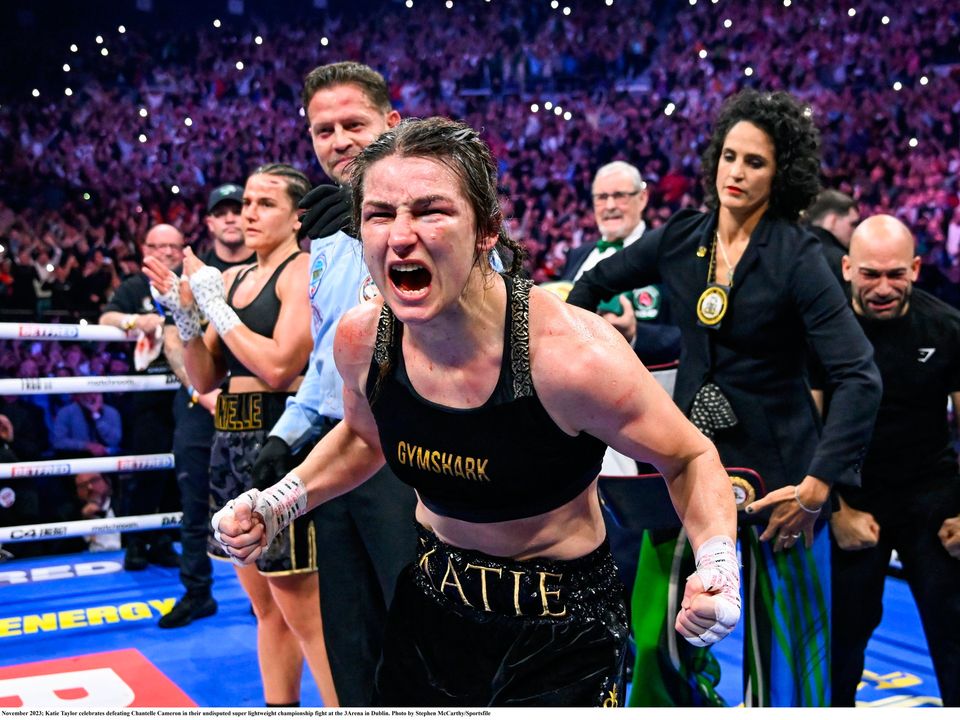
(851, 12)
(303, 113)
(409, 3)
(702, 54)
(50, 267)
(216, 23)
(74, 48)
(188, 121)
(99, 39)
(35, 92)
(557, 110)
(669, 109)
(175, 189)
(568, 115)
(786, 3)
(728, 23)
(324, 41)
(68, 92)
(554, 4)
(924, 80)
(143, 112)
(258, 40)
(534, 108)
(2, 248)
(748, 71)
(142, 138)
(449, 4)
(239, 64)
(86, 196)
(66, 67)
(898, 86)
(548, 105)
(885, 19)
(104, 52)
(566, 11)
(83, 321)
(608, 2)
(122, 29)
(693, 2)
(913, 142)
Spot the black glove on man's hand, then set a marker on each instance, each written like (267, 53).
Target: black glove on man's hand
(272, 463)
(328, 209)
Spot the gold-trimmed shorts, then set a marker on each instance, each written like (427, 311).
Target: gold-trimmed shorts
(242, 423)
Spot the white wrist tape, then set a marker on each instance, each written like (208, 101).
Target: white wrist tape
(719, 570)
(188, 323)
(185, 317)
(278, 505)
(207, 287)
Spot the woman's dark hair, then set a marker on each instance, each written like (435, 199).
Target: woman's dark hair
(796, 143)
(298, 184)
(458, 147)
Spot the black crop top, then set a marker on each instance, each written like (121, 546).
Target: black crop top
(504, 460)
(260, 314)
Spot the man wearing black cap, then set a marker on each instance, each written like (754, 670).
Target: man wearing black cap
(193, 424)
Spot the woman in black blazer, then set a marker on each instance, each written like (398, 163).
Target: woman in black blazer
(752, 294)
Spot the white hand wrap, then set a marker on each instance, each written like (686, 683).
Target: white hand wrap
(186, 318)
(719, 570)
(278, 505)
(207, 286)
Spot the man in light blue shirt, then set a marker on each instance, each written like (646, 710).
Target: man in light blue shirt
(367, 536)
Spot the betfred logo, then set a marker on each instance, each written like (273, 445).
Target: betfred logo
(25, 470)
(164, 463)
(119, 679)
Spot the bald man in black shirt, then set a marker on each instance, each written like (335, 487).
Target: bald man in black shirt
(910, 497)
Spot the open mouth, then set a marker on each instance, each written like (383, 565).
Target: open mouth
(410, 277)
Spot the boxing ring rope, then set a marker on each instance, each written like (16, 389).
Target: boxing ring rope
(83, 384)
(55, 331)
(114, 464)
(81, 528)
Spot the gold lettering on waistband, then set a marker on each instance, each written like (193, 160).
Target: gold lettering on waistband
(239, 411)
(483, 580)
(443, 463)
(545, 594)
(456, 582)
(516, 591)
(425, 565)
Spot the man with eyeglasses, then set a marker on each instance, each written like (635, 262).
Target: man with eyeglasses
(132, 308)
(619, 199)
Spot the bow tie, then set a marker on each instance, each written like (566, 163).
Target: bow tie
(604, 244)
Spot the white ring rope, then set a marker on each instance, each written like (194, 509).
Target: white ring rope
(82, 384)
(81, 528)
(55, 331)
(75, 466)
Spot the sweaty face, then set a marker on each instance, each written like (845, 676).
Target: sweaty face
(745, 169)
(268, 216)
(419, 235)
(223, 222)
(617, 205)
(343, 122)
